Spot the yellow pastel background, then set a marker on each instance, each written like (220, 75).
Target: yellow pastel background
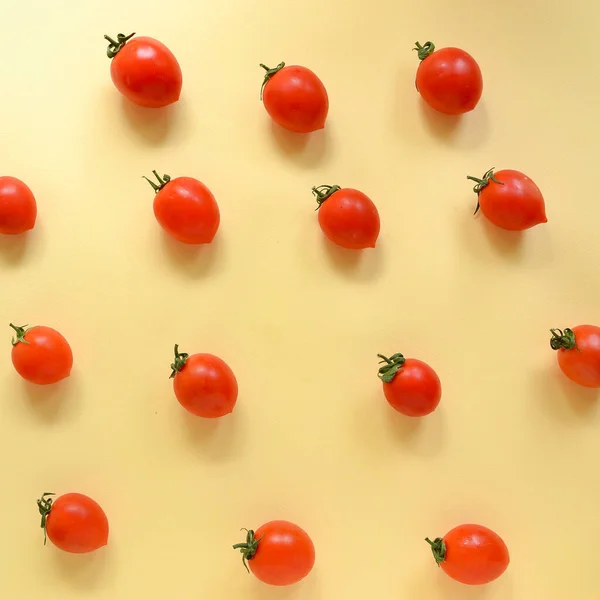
(513, 444)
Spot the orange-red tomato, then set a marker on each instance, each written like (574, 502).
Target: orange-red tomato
(471, 554)
(204, 384)
(278, 553)
(295, 98)
(41, 354)
(144, 70)
(347, 217)
(73, 522)
(18, 209)
(510, 200)
(449, 80)
(186, 209)
(579, 353)
(411, 386)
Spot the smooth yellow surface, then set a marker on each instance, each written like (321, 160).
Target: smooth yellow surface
(513, 444)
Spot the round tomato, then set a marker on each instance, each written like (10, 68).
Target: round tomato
(73, 522)
(471, 554)
(186, 209)
(449, 80)
(144, 70)
(411, 386)
(347, 217)
(295, 98)
(41, 355)
(18, 209)
(509, 199)
(278, 553)
(204, 384)
(579, 353)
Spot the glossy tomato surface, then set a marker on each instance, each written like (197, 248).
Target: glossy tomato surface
(295, 98)
(41, 355)
(204, 385)
(187, 210)
(18, 209)
(511, 200)
(449, 79)
(147, 73)
(579, 354)
(77, 524)
(347, 217)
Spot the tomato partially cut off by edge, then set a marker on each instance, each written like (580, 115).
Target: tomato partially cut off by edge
(18, 208)
(471, 554)
(73, 522)
(578, 353)
(278, 553)
(411, 386)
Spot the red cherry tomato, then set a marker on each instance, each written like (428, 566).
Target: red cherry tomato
(73, 522)
(18, 209)
(510, 200)
(278, 553)
(295, 98)
(347, 217)
(41, 355)
(204, 384)
(471, 554)
(449, 80)
(579, 353)
(144, 70)
(411, 386)
(186, 209)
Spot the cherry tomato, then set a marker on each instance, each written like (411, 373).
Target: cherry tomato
(411, 386)
(204, 384)
(144, 70)
(18, 209)
(347, 217)
(295, 98)
(41, 355)
(278, 553)
(449, 80)
(579, 353)
(471, 554)
(186, 209)
(510, 200)
(73, 522)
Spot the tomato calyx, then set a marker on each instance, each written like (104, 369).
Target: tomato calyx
(563, 339)
(438, 547)
(179, 362)
(162, 181)
(115, 47)
(20, 331)
(269, 73)
(322, 192)
(483, 182)
(45, 506)
(248, 548)
(392, 365)
(425, 50)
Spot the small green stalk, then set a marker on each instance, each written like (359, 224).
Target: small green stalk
(162, 181)
(20, 331)
(322, 192)
(563, 339)
(115, 47)
(269, 73)
(438, 547)
(248, 548)
(392, 366)
(425, 50)
(483, 182)
(45, 506)
(179, 362)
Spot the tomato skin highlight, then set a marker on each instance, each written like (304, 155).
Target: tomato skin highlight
(410, 385)
(449, 79)
(510, 200)
(204, 384)
(347, 217)
(295, 98)
(146, 72)
(579, 356)
(471, 554)
(76, 524)
(279, 553)
(18, 209)
(41, 355)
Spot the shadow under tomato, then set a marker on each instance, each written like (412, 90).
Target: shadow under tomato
(363, 265)
(84, 571)
(49, 402)
(197, 260)
(307, 149)
(307, 588)
(13, 248)
(423, 435)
